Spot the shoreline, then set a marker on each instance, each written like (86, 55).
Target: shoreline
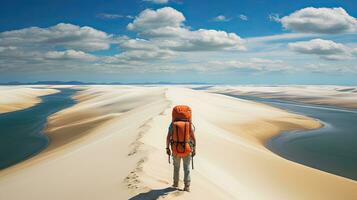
(309, 147)
(16, 98)
(32, 129)
(332, 95)
(314, 123)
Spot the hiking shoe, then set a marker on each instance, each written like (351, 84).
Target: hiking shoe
(186, 189)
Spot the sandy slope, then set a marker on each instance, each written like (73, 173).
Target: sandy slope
(20, 97)
(111, 146)
(343, 96)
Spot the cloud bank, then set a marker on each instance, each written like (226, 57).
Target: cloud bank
(61, 35)
(161, 39)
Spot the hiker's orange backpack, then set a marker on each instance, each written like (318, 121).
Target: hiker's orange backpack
(181, 128)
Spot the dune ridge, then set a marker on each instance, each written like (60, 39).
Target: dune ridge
(342, 96)
(111, 145)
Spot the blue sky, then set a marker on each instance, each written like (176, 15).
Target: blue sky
(226, 41)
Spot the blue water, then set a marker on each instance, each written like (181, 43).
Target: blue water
(21, 132)
(332, 148)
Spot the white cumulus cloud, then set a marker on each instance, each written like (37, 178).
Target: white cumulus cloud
(326, 49)
(149, 20)
(69, 55)
(319, 20)
(165, 28)
(257, 64)
(221, 18)
(243, 17)
(61, 35)
(109, 16)
(209, 40)
(158, 1)
(139, 57)
(274, 17)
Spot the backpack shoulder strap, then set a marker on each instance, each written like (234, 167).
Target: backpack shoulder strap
(170, 128)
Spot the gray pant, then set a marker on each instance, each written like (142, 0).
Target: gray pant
(186, 169)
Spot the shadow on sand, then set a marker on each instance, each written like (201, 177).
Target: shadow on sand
(153, 194)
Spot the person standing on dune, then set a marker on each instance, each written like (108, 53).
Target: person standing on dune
(181, 138)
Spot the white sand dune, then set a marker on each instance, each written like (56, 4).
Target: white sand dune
(111, 145)
(20, 97)
(343, 96)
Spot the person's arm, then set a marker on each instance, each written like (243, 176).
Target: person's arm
(168, 140)
(193, 138)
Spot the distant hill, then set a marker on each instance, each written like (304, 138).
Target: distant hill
(95, 83)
